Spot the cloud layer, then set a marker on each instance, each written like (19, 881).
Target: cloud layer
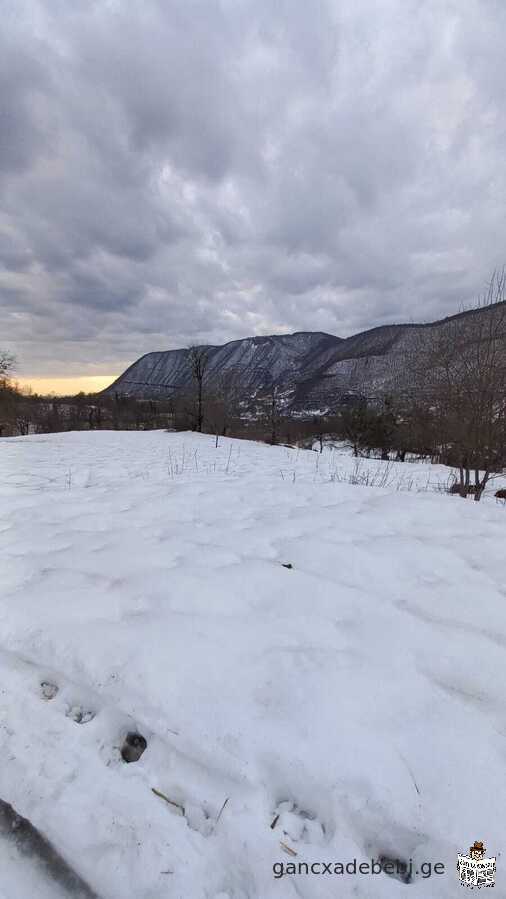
(182, 170)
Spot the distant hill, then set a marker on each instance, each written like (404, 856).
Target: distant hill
(314, 370)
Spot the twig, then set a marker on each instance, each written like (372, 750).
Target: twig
(287, 848)
(417, 788)
(170, 801)
(275, 821)
(220, 813)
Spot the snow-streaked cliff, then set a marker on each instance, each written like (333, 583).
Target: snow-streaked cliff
(313, 369)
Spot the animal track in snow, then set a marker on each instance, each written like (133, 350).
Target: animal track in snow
(79, 714)
(198, 815)
(48, 690)
(397, 868)
(134, 745)
(397, 847)
(297, 823)
(121, 741)
(198, 818)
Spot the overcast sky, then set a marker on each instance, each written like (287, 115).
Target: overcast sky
(174, 171)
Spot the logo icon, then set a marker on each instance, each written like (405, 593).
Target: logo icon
(474, 870)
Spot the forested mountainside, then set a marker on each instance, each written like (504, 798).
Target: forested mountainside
(314, 370)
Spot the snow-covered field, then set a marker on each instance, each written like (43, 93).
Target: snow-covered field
(358, 695)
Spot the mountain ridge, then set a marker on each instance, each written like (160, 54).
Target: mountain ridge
(314, 369)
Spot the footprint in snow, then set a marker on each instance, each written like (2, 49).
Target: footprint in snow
(198, 816)
(297, 824)
(79, 714)
(48, 690)
(76, 712)
(397, 868)
(133, 746)
(131, 749)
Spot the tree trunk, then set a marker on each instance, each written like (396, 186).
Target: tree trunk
(464, 478)
(480, 485)
(199, 407)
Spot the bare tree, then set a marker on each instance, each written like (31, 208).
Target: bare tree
(222, 404)
(459, 372)
(318, 429)
(7, 365)
(8, 395)
(198, 358)
(355, 428)
(274, 411)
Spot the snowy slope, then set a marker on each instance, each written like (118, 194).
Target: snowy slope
(358, 695)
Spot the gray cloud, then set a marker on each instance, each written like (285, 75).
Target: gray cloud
(208, 169)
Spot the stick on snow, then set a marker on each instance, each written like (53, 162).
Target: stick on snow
(220, 812)
(170, 801)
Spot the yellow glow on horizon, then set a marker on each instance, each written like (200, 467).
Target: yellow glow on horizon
(67, 386)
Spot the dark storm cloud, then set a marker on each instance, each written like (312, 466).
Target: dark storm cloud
(207, 169)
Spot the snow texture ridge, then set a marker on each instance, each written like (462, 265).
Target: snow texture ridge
(349, 706)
